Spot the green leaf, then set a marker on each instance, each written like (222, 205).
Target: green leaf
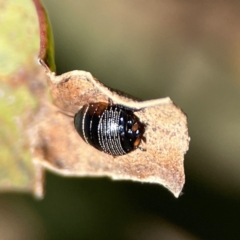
(20, 89)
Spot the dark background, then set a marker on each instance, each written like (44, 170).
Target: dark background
(189, 51)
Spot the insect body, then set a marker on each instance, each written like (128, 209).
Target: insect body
(113, 129)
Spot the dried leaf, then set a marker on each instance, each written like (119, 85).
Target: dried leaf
(57, 146)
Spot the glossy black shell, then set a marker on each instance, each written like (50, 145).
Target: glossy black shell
(113, 129)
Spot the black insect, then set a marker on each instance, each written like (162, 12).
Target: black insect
(111, 128)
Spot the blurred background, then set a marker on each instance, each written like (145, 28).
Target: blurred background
(189, 51)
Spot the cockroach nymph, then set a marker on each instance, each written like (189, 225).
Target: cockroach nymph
(110, 128)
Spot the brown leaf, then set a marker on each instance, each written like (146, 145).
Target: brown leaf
(57, 146)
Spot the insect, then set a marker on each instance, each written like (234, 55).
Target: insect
(110, 128)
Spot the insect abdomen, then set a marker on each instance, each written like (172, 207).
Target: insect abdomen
(109, 128)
